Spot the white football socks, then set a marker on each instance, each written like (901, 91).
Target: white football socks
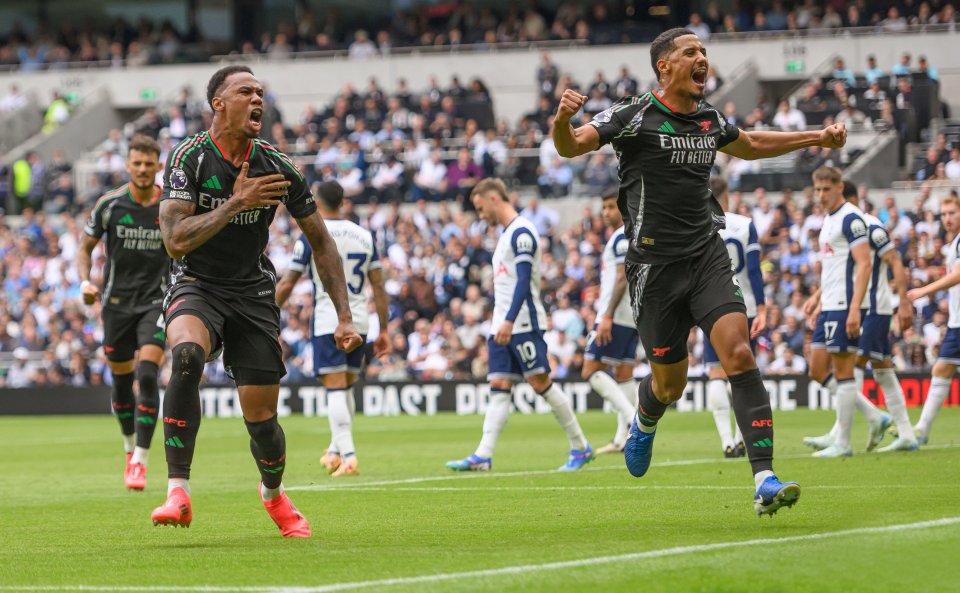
(563, 412)
(341, 423)
(498, 412)
(609, 390)
(846, 398)
(270, 493)
(896, 405)
(129, 443)
(140, 455)
(178, 483)
(939, 390)
(871, 412)
(718, 402)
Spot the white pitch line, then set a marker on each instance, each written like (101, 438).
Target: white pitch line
(626, 487)
(509, 570)
(541, 472)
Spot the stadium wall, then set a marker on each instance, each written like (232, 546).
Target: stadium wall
(787, 392)
(509, 74)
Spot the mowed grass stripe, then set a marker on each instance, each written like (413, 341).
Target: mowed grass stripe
(520, 569)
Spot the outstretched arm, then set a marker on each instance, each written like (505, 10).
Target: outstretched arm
(755, 144)
(943, 283)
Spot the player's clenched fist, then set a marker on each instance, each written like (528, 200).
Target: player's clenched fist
(834, 136)
(570, 104)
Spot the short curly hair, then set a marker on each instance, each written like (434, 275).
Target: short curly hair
(220, 76)
(664, 44)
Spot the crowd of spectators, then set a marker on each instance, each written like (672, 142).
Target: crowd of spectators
(813, 15)
(437, 266)
(119, 43)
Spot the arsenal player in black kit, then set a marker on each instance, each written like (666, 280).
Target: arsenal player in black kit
(222, 188)
(132, 298)
(677, 265)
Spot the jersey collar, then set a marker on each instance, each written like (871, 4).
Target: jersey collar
(223, 155)
(659, 102)
(157, 190)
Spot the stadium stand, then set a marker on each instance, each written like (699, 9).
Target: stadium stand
(397, 150)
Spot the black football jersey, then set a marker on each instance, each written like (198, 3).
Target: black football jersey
(665, 162)
(137, 261)
(197, 172)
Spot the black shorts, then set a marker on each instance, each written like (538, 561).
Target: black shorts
(124, 332)
(244, 323)
(669, 299)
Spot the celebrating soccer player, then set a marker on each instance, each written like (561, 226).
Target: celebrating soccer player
(339, 370)
(949, 358)
(516, 348)
(740, 237)
(132, 298)
(613, 341)
(221, 191)
(874, 347)
(677, 265)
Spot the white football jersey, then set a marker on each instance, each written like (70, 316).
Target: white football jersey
(740, 237)
(880, 295)
(953, 294)
(842, 229)
(519, 242)
(359, 255)
(614, 254)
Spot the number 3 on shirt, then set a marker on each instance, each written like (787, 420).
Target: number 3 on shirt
(358, 275)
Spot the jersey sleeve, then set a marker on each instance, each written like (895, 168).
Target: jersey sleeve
(97, 223)
(524, 245)
(620, 247)
(611, 122)
(299, 201)
(728, 131)
(880, 240)
(180, 175)
(854, 229)
(301, 255)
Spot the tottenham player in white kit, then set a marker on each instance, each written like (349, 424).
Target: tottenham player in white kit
(516, 348)
(949, 358)
(339, 370)
(613, 341)
(740, 237)
(874, 344)
(844, 280)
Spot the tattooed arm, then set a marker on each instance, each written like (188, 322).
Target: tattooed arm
(183, 230)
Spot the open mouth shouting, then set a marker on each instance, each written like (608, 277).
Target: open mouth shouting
(256, 119)
(699, 77)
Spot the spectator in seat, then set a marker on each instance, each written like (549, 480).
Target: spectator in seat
(362, 48)
(841, 72)
(894, 23)
(811, 102)
(924, 68)
(903, 68)
(730, 114)
(872, 73)
(462, 176)
(626, 85)
(789, 118)
(929, 168)
(952, 168)
(851, 116)
(699, 28)
(430, 180)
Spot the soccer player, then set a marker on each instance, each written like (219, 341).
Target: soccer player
(339, 370)
(132, 298)
(844, 280)
(516, 349)
(221, 191)
(874, 344)
(677, 266)
(613, 341)
(949, 359)
(740, 238)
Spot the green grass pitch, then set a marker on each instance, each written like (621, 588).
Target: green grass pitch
(871, 523)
